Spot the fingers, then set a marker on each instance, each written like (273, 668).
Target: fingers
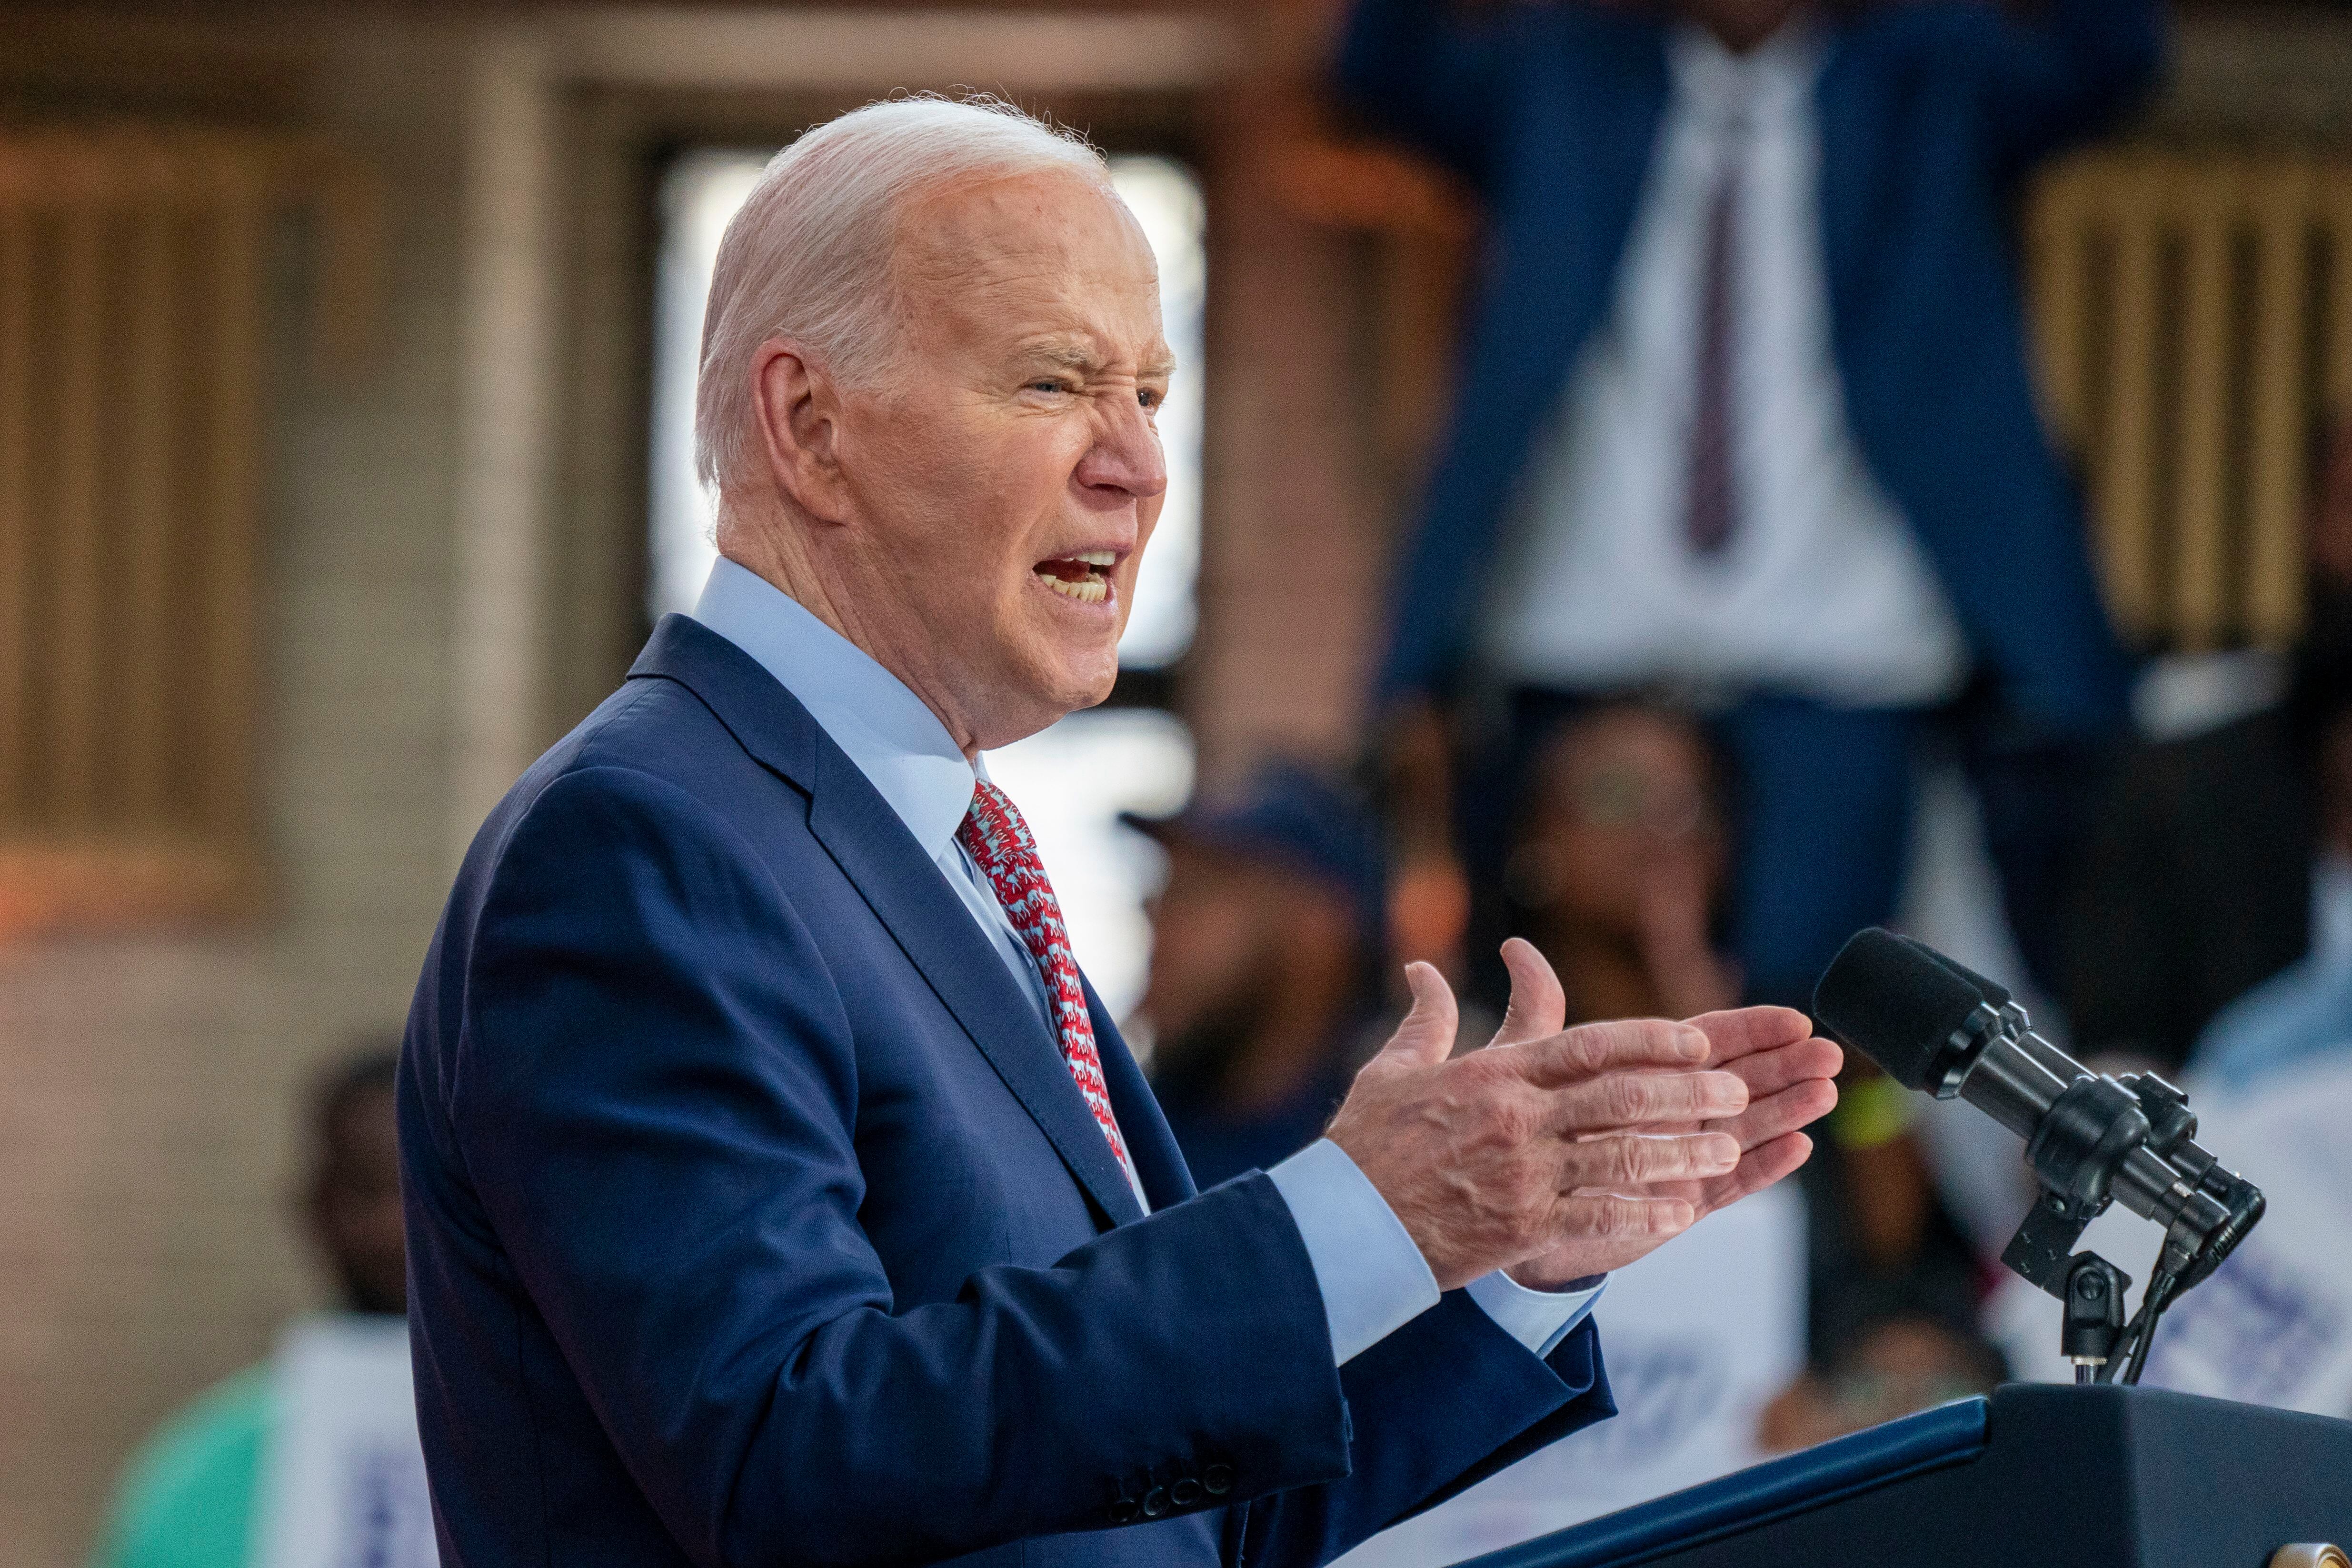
(1426, 1036)
(1538, 1006)
(1623, 1216)
(1770, 1070)
(1626, 1100)
(1741, 1031)
(1779, 1114)
(1589, 1050)
(1631, 1162)
(1758, 1169)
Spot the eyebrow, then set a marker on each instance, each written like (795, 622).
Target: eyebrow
(1068, 356)
(1077, 356)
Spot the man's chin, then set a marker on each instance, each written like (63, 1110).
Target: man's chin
(1079, 678)
(1047, 695)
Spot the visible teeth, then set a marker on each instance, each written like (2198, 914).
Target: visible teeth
(1099, 558)
(1093, 591)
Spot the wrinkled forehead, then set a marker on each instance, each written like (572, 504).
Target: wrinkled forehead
(1003, 258)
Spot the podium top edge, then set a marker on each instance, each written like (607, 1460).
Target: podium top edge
(1946, 1434)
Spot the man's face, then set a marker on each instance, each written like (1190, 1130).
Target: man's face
(1006, 476)
(355, 1205)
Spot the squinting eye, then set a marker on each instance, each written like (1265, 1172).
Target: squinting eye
(1049, 387)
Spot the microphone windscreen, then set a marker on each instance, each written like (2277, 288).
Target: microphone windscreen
(1896, 1003)
(1991, 991)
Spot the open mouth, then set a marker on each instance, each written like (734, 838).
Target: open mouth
(1084, 577)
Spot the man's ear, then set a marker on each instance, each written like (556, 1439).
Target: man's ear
(797, 408)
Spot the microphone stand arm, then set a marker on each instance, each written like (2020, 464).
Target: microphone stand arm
(2090, 1140)
(2100, 1133)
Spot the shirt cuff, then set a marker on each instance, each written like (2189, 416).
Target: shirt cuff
(1539, 1320)
(1373, 1279)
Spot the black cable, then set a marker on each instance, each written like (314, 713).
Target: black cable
(2130, 1354)
(2160, 1291)
(2120, 1365)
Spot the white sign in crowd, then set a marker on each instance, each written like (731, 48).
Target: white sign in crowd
(1697, 1337)
(343, 1484)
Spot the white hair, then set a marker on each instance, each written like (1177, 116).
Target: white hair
(808, 257)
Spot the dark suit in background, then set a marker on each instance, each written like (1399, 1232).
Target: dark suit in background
(2197, 887)
(1926, 115)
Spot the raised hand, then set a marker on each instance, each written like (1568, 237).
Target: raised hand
(1785, 1071)
(1602, 1139)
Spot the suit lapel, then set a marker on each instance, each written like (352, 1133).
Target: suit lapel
(1157, 1161)
(908, 894)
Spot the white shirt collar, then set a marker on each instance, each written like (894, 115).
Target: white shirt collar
(1769, 81)
(895, 739)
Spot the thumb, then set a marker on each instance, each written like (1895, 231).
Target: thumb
(1426, 1036)
(1538, 1006)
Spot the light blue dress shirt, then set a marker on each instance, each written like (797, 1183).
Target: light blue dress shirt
(1371, 1275)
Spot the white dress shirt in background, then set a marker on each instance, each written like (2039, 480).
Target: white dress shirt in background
(1373, 1279)
(1822, 591)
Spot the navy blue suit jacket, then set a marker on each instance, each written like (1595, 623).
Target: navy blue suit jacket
(754, 1217)
(1927, 112)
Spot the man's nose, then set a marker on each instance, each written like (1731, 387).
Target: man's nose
(1126, 456)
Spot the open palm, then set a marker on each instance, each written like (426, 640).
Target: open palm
(1772, 1050)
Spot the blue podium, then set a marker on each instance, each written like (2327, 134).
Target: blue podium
(2040, 1476)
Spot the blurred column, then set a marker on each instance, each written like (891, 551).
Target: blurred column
(1337, 266)
(506, 352)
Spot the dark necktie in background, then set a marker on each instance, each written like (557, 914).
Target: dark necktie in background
(1710, 511)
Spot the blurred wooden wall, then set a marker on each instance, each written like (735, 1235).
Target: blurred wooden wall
(2194, 319)
(135, 264)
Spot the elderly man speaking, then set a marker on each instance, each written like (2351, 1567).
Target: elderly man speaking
(778, 1190)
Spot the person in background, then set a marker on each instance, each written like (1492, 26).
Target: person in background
(191, 1497)
(2212, 938)
(1617, 869)
(2303, 1013)
(1617, 873)
(1900, 1365)
(1894, 1289)
(2224, 856)
(1266, 946)
(1747, 409)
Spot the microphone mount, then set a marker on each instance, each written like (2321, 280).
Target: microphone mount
(2090, 1139)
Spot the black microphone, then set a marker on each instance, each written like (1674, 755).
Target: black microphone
(1936, 1025)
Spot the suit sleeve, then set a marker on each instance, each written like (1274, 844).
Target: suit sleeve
(655, 1102)
(1417, 71)
(1437, 1407)
(2067, 73)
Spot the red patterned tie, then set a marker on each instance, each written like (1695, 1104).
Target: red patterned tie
(1001, 845)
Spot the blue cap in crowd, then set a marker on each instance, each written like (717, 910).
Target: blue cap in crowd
(1297, 818)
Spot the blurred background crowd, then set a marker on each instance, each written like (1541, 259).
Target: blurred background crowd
(1674, 481)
